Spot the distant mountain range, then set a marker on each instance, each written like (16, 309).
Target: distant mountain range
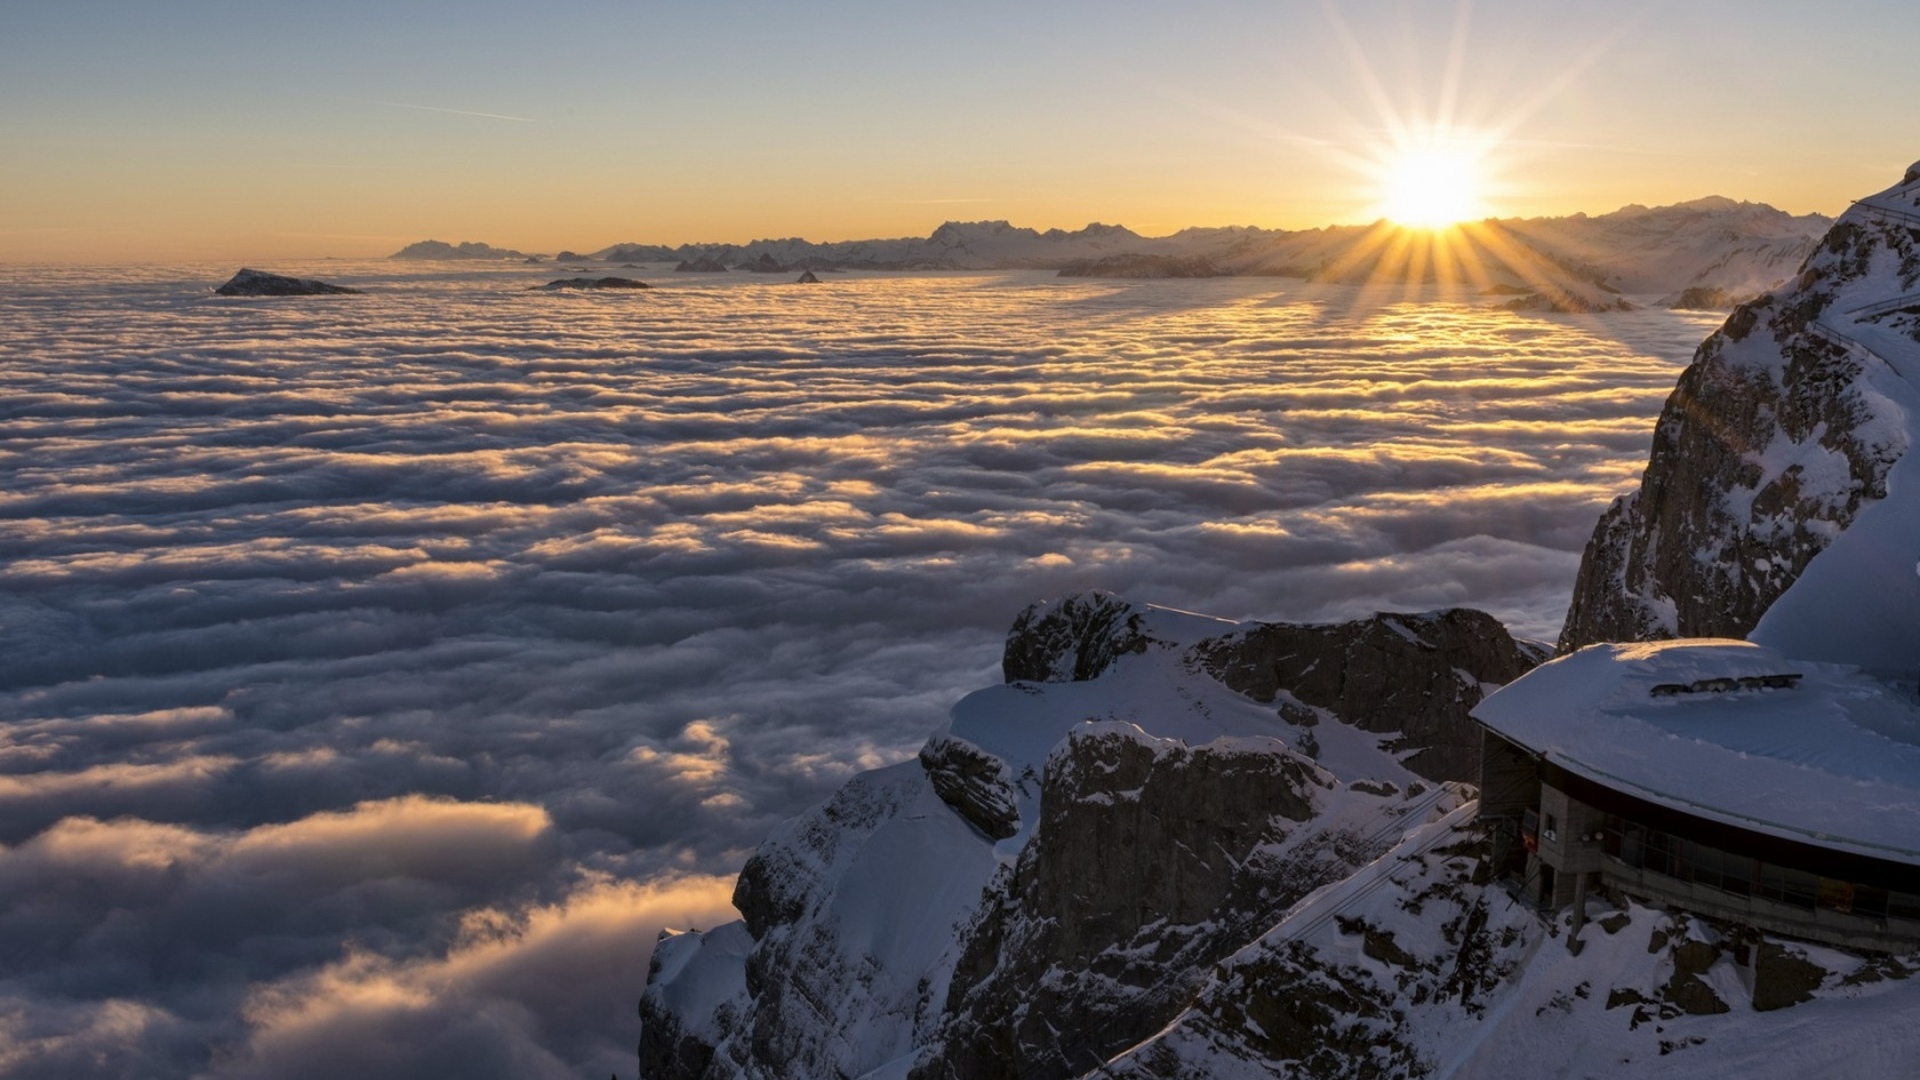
(1715, 250)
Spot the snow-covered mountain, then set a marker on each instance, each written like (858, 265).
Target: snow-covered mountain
(1114, 812)
(1784, 430)
(1119, 864)
(1171, 846)
(1712, 243)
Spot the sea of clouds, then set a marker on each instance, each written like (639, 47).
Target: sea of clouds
(379, 674)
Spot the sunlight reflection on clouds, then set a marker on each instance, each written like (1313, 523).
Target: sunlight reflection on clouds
(595, 589)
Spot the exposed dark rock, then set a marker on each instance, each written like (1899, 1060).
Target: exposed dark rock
(806, 278)
(593, 283)
(1392, 673)
(1072, 639)
(705, 264)
(764, 264)
(975, 783)
(1144, 861)
(261, 283)
(1783, 977)
(1686, 991)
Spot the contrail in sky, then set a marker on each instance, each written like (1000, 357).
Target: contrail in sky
(457, 112)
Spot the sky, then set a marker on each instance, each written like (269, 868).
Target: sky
(136, 130)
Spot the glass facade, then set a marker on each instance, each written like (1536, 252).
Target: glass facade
(1739, 876)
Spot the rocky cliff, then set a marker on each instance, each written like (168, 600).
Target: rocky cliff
(1121, 864)
(1780, 431)
(1144, 792)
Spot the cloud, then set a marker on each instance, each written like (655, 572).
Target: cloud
(523, 993)
(333, 636)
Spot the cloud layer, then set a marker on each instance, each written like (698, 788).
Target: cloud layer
(383, 673)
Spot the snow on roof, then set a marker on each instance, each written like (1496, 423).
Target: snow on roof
(1833, 761)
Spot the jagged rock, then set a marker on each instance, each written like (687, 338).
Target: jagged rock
(1147, 857)
(260, 283)
(1297, 1001)
(593, 283)
(1072, 639)
(807, 278)
(1783, 977)
(1392, 673)
(1396, 674)
(1686, 991)
(705, 264)
(1766, 450)
(763, 264)
(978, 785)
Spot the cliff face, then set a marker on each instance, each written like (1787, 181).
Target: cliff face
(1778, 434)
(1128, 866)
(1150, 858)
(1148, 788)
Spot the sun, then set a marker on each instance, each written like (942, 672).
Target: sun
(1431, 187)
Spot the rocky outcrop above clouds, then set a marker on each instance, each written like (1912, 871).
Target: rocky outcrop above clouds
(1414, 677)
(1051, 890)
(1775, 438)
(1150, 857)
(592, 283)
(1708, 243)
(1141, 791)
(468, 249)
(260, 283)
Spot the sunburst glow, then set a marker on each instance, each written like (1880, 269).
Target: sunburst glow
(1431, 188)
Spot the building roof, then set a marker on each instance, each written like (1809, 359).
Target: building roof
(1832, 760)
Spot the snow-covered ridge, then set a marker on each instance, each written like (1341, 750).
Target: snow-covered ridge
(1219, 903)
(903, 920)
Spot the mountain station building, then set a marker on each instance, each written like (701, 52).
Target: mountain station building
(1715, 776)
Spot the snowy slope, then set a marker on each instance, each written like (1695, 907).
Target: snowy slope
(858, 915)
(1413, 967)
(1858, 602)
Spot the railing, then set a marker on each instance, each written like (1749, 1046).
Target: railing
(1907, 216)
